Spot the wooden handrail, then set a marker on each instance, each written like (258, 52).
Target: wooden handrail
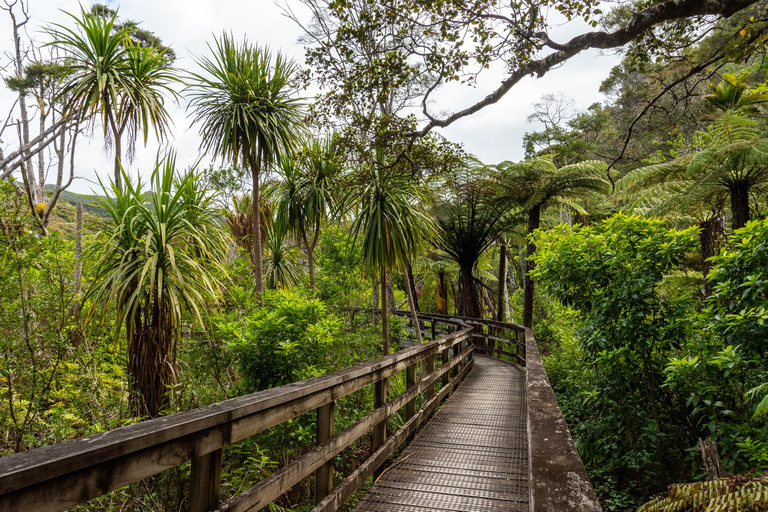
(56, 477)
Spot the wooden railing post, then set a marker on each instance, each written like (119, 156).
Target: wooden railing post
(456, 352)
(444, 361)
(433, 328)
(429, 367)
(380, 429)
(205, 482)
(410, 407)
(324, 474)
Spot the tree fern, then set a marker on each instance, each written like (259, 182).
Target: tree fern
(724, 495)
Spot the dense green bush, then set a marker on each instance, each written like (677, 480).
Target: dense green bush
(290, 338)
(627, 424)
(648, 370)
(739, 304)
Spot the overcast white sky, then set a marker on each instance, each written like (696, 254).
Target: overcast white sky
(493, 134)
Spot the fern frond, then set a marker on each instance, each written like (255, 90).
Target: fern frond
(726, 494)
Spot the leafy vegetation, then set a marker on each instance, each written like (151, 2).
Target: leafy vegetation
(631, 238)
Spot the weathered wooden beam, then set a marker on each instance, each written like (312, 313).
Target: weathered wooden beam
(324, 474)
(380, 390)
(205, 482)
(410, 407)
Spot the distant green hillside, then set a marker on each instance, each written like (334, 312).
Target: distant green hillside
(89, 201)
(64, 217)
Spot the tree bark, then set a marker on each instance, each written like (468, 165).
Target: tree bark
(311, 254)
(469, 305)
(711, 456)
(390, 296)
(116, 134)
(148, 363)
(534, 218)
(502, 298)
(739, 206)
(441, 294)
(411, 281)
(412, 304)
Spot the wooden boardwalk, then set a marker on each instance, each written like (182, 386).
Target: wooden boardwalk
(472, 456)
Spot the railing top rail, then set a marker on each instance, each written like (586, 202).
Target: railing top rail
(27, 468)
(467, 320)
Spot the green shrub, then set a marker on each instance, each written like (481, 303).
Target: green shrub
(290, 338)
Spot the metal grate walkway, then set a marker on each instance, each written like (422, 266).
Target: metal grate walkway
(472, 456)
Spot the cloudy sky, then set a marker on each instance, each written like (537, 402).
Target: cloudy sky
(494, 134)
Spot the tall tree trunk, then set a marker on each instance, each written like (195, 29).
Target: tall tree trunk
(412, 283)
(374, 302)
(740, 206)
(384, 313)
(148, 363)
(116, 134)
(258, 278)
(441, 294)
(311, 254)
(469, 305)
(390, 296)
(534, 218)
(456, 298)
(502, 299)
(412, 304)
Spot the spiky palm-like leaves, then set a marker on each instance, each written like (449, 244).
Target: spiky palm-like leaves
(308, 193)
(247, 109)
(281, 266)
(389, 220)
(113, 79)
(537, 184)
(733, 93)
(157, 257)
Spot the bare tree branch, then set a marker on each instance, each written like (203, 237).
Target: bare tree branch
(639, 23)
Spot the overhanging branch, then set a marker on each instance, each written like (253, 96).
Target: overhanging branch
(640, 22)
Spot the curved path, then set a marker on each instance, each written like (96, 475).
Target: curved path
(472, 456)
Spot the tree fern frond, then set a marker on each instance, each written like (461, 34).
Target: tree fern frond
(726, 494)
